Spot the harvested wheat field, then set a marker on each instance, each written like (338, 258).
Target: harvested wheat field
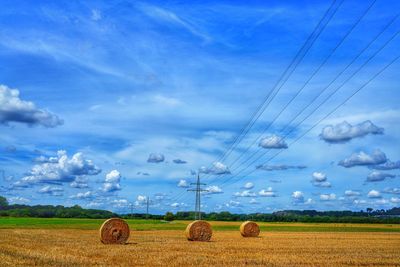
(70, 247)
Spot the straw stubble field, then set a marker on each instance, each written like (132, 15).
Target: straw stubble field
(77, 247)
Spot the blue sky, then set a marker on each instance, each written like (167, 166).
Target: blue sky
(103, 103)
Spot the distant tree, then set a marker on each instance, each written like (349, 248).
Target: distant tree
(169, 216)
(369, 210)
(389, 216)
(3, 202)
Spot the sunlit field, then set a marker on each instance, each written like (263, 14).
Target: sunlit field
(75, 242)
(141, 225)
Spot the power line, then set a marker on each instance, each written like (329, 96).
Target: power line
(293, 64)
(298, 57)
(301, 89)
(335, 79)
(308, 80)
(336, 108)
(354, 59)
(332, 93)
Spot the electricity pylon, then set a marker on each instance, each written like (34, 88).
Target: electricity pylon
(147, 207)
(198, 190)
(131, 206)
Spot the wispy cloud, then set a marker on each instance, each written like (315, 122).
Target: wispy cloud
(58, 49)
(165, 15)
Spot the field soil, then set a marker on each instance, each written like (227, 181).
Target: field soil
(76, 247)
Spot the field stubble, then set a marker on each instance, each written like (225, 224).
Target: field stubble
(68, 247)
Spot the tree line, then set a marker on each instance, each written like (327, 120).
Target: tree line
(391, 216)
(48, 211)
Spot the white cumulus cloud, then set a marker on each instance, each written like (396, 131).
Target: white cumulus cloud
(112, 181)
(183, 183)
(217, 168)
(245, 193)
(389, 165)
(267, 192)
(14, 109)
(374, 194)
(298, 197)
(51, 190)
(120, 203)
(325, 184)
(213, 189)
(273, 141)
(319, 177)
(141, 200)
(377, 176)
(18, 200)
(395, 200)
(79, 182)
(233, 204)
(253, 201)
(83, 195)
(248, 185)
(61, 169)
(175, 205)
(156, 158)
(394, 190)
(327, 197)
(344, 131)
(364, 159)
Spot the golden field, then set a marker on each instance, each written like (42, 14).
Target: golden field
(76, 247)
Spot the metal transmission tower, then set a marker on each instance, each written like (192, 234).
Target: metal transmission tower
(147, 206)
(198, 190)
(131, 206)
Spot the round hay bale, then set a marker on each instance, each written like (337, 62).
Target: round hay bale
(114, 231)
(198, 231)
(249, 229)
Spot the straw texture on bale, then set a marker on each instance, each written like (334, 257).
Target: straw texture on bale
(249, 229)
(198, 231)
(114, 231)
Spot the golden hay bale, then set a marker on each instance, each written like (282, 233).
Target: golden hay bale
(114, 231)
(249, 229)
(198, 231)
